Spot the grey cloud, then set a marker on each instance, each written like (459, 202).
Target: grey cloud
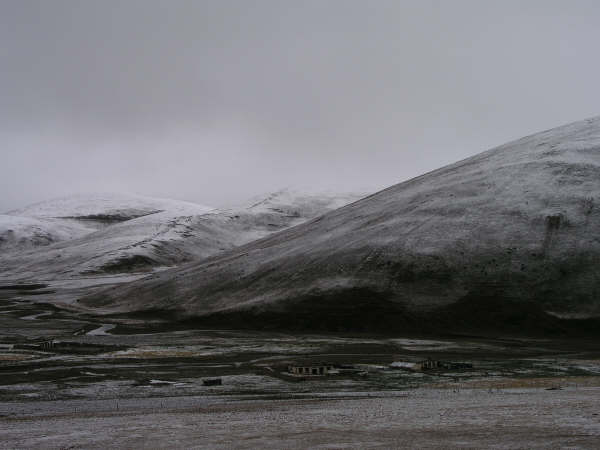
(214, 101)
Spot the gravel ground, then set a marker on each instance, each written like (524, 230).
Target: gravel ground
(423, 418)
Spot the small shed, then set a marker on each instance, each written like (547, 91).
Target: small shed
(311, 370)
(47, 345)
(428, 364)
(405, 365)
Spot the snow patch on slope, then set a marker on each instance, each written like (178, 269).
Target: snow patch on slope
(108, 205)
(22, 233)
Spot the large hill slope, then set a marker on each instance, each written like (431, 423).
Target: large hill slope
(499, 239)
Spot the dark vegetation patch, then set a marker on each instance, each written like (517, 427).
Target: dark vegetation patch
(148, 315)
(479, 313)
(22, 287)
(127, 264)
(111, 218)
(36, 292)
(496, 313)
(357, 310)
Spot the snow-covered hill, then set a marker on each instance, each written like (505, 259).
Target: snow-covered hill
(496, 240)
(179, 233)
(296, 203)
(23, 233)
(107, 208)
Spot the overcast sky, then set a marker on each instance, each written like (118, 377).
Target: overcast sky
(216, 101)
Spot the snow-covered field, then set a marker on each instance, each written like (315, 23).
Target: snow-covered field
(426, 418)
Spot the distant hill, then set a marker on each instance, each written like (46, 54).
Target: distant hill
(134, 233)
(19, 233)
(107, 208)
(507, 239)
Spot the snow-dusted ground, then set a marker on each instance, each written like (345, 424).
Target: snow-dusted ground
(74, 217)
(102, 330)
(18, 233)
(426, 418)
(144, 233)
(126, 206)
(519, 222)
(139, 386)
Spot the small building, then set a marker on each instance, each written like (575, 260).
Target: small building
(415, 364)
(428, 364)
(311, 370)
(405, 365)
(47, 345)
(456, 365)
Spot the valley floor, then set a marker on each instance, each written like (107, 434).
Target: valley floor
(126, 383)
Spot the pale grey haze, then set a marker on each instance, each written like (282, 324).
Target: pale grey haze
(216, 101)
